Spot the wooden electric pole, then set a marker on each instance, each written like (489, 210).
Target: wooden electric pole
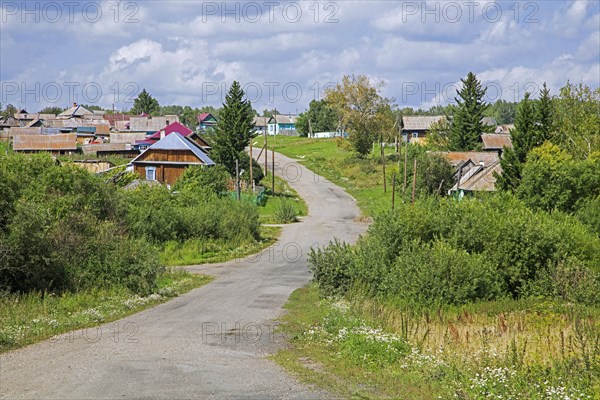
(414, 188)
(237, 180)
(383, 164)
(405, 164)
(393, 190)
(251, 162)
(273, 169)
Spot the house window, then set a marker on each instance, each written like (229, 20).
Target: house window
(415, 135)
(150, 173)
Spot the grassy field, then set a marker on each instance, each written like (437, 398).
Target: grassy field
(194, 252)
(30, 318)
(331, 158)
(501, 350)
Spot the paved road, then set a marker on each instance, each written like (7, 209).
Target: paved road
(209, 343)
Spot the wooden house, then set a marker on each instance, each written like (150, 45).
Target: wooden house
(166, 159)
(261, 125)
(282, 124)
(416, 128)
(206, 120)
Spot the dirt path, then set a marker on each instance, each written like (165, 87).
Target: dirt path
(208, 343)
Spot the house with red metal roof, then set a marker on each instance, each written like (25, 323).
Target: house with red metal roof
(206, 120)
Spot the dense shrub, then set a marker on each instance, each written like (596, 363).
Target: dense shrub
(204, 179)
(285, 212)
(441, 250)
(554, 180)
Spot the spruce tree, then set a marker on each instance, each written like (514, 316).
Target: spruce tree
(234, 129)
(544, 116)
(145, 104)
(524, 138)
(467, 125)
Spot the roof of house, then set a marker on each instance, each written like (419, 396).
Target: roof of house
(113, 118)
(504, 128)
(283, 119)
(261, 121)
(75, 111)
(177, 142)
(495, 141)
(172, 127)
(202, 117)
(480, 178)
(150, 124)
(420, 123)
(65, 142)
(458, 157)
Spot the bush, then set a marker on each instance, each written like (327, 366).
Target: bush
(490, 247)
(332, 267)
(285, 212)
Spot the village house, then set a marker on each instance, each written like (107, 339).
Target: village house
(166, 159)
(149, 124)
(416, 128)
(261, 125)
(495, 142)
(206, 121)
(282, 124)
(474, 170)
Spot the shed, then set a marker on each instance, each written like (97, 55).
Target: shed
(55, 144)
(495, 141)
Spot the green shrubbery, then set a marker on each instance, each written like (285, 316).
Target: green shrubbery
(64, 229)
(447, 252)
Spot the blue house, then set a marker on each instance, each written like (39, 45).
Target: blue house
(283, 125)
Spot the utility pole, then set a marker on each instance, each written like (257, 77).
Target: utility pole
(405, 164)
(393, 190)
(251, 162)
(237, 180)
(414, 188)
(383, 164)
(273, 168)
(266, 153)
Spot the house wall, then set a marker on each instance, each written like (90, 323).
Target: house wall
(166, 174)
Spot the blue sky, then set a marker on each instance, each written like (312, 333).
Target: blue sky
(286, 52)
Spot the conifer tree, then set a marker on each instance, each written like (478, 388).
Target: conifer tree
(145, 104)
(467, 124)
(234, 129)
(524, 137)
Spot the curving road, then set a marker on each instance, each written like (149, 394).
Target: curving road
(209, 343)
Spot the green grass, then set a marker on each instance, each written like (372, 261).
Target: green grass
(331, 158)
(371, 349)
(283, 192)
(30, 318)
(201, 251)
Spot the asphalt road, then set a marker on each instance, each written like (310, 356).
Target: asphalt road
(209, 343)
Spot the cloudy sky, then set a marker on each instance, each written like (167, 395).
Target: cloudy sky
(286, 52)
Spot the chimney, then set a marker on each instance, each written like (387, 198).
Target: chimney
(162, 134)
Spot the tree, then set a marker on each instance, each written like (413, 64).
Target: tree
(466, 124)
(322, 117)
(555, 180)
(544, 116)
(577, 118)
(360, 105)
(51, 110)
(523, 138)
(145, 104)
(438, 134)
(9, 111)
(234, 128)
(503, 111)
